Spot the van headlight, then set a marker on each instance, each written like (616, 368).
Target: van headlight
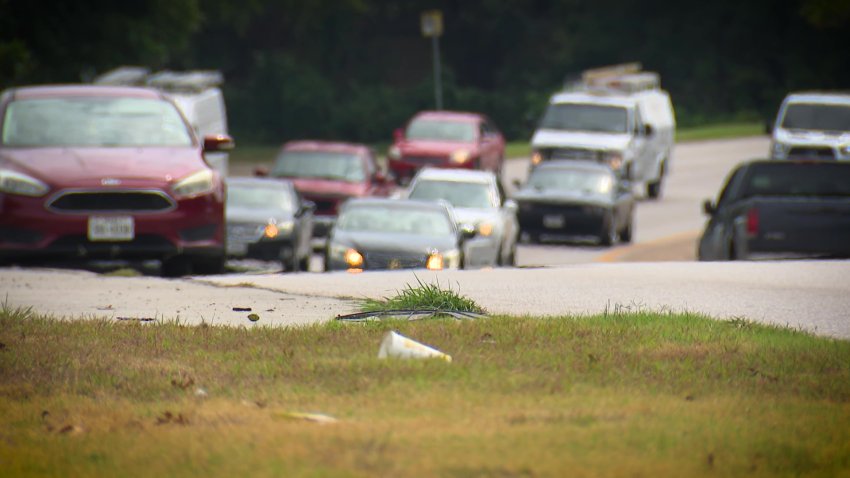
(13, 182)
(614, 159)
(460, 156)
(779, 150)
(195, 184)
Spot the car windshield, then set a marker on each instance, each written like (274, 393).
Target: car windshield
(818, 117)
(583, 117)
(94, 121)
(457, 193)
(798, 179)
(396, 220)
(253, 197)
(441, 130)
(589, 182)
(320, 165)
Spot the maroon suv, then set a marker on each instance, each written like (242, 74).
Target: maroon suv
(91, 172)
(327, 173)
(446, 139)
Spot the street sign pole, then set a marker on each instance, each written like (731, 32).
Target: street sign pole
(432, 26)
(438, 82)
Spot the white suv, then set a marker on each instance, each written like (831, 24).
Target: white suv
(812, 125)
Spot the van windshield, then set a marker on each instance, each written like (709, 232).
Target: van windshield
(586, 117)
(818, 117)
(94, 121)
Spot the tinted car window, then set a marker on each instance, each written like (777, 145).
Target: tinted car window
(817, 117)
(252, 197)
(320, 165)
(441, 130)
(798, 179)
(571, 180)
(94, 121)
(395, 220)
(458, 194)
(581, 117)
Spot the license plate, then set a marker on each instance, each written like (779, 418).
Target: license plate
(553, 221)
(111, 228)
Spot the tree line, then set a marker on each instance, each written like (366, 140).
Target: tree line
(357, 69)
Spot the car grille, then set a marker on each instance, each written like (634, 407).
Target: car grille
(579, 154)
(394, 260)
(811, 152)
(425, 160)
(111, 201)
(245, 232)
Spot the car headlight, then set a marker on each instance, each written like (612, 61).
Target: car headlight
(536, 157)
(460, 156)
(614, 159)
(13, 182)
(346, 254)
(485, 229)
(195, 184)
(434, 262)
(274, 229)
(779, 150)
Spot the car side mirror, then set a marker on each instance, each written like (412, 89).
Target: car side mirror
(261, 171)
(466, 231)
(709, 208)
(647, 130)
(517, 183)
(511, 206)
(218, 142)
(398, 134)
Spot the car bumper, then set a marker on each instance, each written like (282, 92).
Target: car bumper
(28, 229)
(564, 220)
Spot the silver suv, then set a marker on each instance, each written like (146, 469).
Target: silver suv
(812, 125)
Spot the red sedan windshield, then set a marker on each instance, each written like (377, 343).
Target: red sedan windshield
(94, 122)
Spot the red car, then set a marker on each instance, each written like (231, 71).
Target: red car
(446, 139)
(90, 172)
(327, 173)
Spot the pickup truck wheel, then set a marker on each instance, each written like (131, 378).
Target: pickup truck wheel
(176, 266)
(209, 265)
(653, 189)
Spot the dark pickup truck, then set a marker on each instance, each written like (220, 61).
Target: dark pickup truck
(780, 209)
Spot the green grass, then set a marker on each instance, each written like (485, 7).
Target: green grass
(618, 394)
(427, 297)
(720, 131)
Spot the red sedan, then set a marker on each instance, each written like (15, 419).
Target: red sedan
(447, 139)
(90, 172)
(327, 173)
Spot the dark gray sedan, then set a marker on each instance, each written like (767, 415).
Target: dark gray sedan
(268, 220)
(381, 234)
(576, 200)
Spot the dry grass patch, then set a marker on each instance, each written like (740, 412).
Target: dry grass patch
(625, 394)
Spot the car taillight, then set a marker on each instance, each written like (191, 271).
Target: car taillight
(753, 222)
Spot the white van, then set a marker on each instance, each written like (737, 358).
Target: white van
(812, 125)
(615, 115)
(196, 93)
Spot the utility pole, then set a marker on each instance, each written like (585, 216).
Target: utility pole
(432, 26)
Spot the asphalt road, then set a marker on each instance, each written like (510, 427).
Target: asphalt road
(813, 296)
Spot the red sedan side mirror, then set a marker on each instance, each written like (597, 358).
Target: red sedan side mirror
(218, 142)
(398, 134)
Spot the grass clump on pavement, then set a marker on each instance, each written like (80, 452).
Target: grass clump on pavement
(637, 394)
(424, 297)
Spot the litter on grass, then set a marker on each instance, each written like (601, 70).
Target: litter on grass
(310, 417)
(396, 345)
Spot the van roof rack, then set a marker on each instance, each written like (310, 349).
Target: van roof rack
(623, 78)
(190, 81)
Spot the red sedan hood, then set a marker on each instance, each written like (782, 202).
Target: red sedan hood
(328, 187)
(64, 167)
(434, 148)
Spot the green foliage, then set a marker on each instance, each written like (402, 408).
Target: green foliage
(424, 296)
